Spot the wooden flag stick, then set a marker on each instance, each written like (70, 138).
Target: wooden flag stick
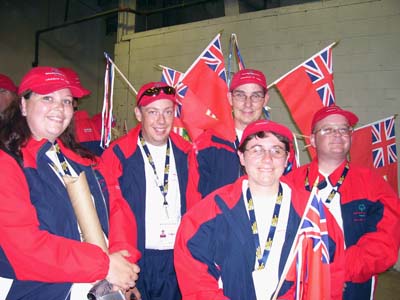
(120, 73)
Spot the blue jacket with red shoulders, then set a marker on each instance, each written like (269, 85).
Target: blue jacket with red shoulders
(87, 133)
(126, 161)
(215, 241)
(40, 236)
(215, 161)
(371, 218)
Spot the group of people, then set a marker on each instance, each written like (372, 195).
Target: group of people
(210, 219)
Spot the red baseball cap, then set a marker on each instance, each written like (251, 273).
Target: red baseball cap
(7, 84)
(74, 79)
(46, 80)
(248, 76)
(270, 126)
(154, 91)
(333, 110)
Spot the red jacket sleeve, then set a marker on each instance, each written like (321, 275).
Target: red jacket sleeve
(30, 250)
(123, 230)
(195, 282)
(376, 251)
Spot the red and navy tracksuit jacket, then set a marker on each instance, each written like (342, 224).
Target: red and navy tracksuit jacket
(370, 211)
(215, 240)
(216, 162)
(86, 132)
(125, 158)
(40, 238)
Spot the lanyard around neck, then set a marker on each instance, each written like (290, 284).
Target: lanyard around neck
(164, 187)
(236, 143)
(274, 222)
(62, 160)
(335, 188)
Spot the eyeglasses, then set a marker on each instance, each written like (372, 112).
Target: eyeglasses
(154, 91)
(331, 130)
(259, 152)
(242, 97)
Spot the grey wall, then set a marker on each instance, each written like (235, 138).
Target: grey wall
(366, 64)
(80, 46)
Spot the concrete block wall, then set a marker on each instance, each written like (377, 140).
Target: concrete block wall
(366, 64)
(366, 60)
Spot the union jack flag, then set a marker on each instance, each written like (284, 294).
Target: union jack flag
(307, 88)
(308, 262)
(106, 114)
(312, 259)
(212, 57)
(315, 228)
(374, 146)
(320, 71)
(238, 56)
(173, 78)
(170, 76)
(384, 143)
(234, 48)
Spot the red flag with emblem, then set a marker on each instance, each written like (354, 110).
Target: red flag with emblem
(374, 146)
(307, 88)
(308, 263)
(206, 104)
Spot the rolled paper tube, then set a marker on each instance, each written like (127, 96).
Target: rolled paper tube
(81, 199)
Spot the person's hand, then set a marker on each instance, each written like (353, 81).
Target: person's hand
(133, 294)
(122, 273)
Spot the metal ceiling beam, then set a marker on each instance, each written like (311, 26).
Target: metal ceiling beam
(39, 32)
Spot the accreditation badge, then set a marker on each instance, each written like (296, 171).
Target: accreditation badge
(168, 229)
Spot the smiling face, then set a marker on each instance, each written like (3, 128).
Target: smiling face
(333, 146)
(156, 118)
(48, 115)
(264, 169)
(247, 101)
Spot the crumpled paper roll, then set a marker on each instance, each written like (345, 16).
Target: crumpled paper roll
(85, 211)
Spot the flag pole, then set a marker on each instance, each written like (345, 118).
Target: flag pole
(158, 67)
(295, 68)
(162, 67)
(120, 73)
(229, 60)
(295, 246)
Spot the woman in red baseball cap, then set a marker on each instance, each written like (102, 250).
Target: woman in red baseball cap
(235, 242)
(40, 237)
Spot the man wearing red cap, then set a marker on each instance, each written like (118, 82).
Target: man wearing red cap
(217, 160)
(151, 165)
(235, 242)
(8, 92)
(363, 211)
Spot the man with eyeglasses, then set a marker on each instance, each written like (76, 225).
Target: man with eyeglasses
(151, 165)
(216, 158)
(363, 211)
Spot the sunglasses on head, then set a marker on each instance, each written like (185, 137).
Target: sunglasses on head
(154, 91)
